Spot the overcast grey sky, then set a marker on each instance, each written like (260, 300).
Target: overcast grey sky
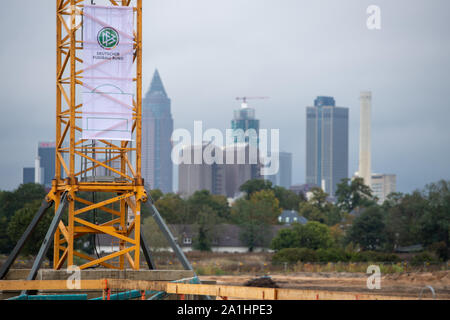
(210, 51)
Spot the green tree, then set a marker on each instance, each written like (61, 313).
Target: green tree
(173, 209)
(255, 216)
(154, 235)
(6, 245)
(200, 199)
(288, 199)
(313, 235)
(435, 223)
(420, 217)
(220, 205)
(334, 215)
(286, 238)
(392, 200)
(319, 197)
(20, 221)
(319, 209)
(252, 186)
(368, 230)
(354, 193)
(403, 219)
(337, 233)
(10, 202)
(156, 194)
(267, 206)
(312, 212)
(206, 228)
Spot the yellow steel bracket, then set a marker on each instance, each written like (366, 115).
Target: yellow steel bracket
(141, 193)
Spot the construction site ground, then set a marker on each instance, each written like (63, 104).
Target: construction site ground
(239, 268)
(408, 284)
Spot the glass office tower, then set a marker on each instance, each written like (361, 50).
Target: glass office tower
(326, 144)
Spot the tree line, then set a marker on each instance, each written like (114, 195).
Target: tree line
(354, 222)
(255, 213)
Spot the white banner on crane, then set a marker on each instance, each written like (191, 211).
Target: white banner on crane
(108, 49)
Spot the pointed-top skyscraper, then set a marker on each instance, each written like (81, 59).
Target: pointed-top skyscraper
(157, 86)
(157, 128)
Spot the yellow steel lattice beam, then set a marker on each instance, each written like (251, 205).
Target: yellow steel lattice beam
(71, 151)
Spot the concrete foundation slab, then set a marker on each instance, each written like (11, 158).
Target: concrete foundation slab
(93, 274)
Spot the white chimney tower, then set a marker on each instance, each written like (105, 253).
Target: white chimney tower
(365, 154)
(37, 171)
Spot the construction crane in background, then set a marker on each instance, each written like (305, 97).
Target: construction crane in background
(244, 100)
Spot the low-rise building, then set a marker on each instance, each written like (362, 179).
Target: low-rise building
(226, 239)
(291, 216)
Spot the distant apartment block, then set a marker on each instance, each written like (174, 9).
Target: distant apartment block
(28, 175)
(219, 178)
(202, 176)
(47, 161)
(383, 185)
(239, 172)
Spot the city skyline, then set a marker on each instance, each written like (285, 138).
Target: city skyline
(405, 65)
(157, 87)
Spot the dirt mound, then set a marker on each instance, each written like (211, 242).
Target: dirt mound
(264, 282)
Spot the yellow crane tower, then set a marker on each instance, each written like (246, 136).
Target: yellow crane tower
(124, 195)
(120, 188)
